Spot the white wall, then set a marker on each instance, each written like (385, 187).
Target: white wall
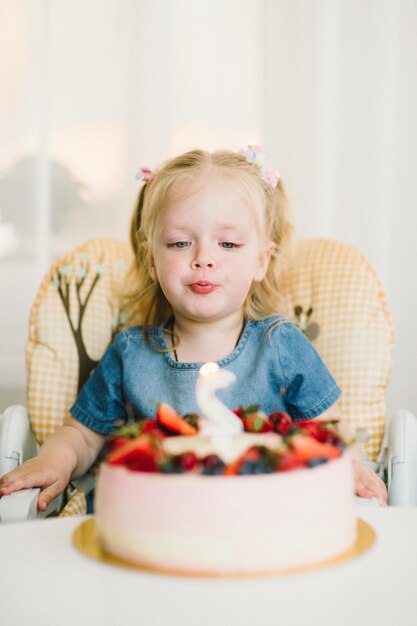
(100, 87)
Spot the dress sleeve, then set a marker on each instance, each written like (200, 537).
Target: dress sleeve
(100, 404)
(310, 389)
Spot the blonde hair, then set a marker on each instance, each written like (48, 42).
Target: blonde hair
(145, 302)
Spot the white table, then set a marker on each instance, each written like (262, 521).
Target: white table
(45, 580)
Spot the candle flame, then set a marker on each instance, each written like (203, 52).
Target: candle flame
(209, 368)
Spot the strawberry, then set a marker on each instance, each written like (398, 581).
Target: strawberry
(150, 426)
(133, 430)
(306, 448)
(289, 461)
(118, 442)
(169, 419)
(144, 445)
(192, 418)
(256, 423)
(243, 411)
(311, 427)
(145, 463)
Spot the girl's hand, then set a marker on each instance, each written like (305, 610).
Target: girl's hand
(367, 483)
(41, 472)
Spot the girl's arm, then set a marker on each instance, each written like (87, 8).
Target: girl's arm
(367, 483)
(68, 453)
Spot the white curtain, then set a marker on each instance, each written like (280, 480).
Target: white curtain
(92, 89)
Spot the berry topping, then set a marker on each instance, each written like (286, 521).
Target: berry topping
(169, 419)
(119, 442)
(212, 465)
(317, 460)
(188, 461)
(244, 411)
(139, 454)
(154, 445)
(150, 426)
(192, 419)
(280, 421)
(289, 461)
(258, 460)
(306, 448)
(255, 460)
(257, 422)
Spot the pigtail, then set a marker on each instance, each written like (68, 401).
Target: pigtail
(136, 220)
(265, 298)
(140, 287)
(145, 303)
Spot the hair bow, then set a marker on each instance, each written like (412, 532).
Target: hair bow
(147, 173)
(256, 155)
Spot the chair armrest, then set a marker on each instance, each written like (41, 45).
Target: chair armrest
(22, 505)
(17, 445)
(19, 506)
(17, 442)
(402, 459)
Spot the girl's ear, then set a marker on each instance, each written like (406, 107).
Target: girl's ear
(264, 259)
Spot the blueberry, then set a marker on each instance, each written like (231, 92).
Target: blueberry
(317, 460)
(260, 466)
(247, 467)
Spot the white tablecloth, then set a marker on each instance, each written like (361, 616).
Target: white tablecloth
(45, 580)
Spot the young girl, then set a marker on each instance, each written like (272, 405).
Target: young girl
(210, 234)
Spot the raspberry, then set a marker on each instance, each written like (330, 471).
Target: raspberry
(280, 421)
(188, 461)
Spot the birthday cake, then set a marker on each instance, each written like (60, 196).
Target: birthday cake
(277, 496)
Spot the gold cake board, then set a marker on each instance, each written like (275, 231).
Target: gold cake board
(85, 538)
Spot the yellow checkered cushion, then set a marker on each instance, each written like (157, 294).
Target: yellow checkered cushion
(332, 290)
(76, 505)
(75, 314)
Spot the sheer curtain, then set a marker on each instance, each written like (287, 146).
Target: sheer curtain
(341, 94)
(92, 89)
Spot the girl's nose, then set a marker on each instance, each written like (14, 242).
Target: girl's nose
(202, 260)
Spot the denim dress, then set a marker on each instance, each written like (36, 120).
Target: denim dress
(274, 364)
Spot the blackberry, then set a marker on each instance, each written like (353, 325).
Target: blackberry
(212, 465)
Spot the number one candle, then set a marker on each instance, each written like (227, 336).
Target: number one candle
(220, 419)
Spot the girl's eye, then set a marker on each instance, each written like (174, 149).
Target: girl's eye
(229, 245)
(179, 244)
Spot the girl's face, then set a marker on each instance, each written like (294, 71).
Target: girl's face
(206, 252)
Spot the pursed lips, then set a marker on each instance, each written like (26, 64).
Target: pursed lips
(202, 287)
